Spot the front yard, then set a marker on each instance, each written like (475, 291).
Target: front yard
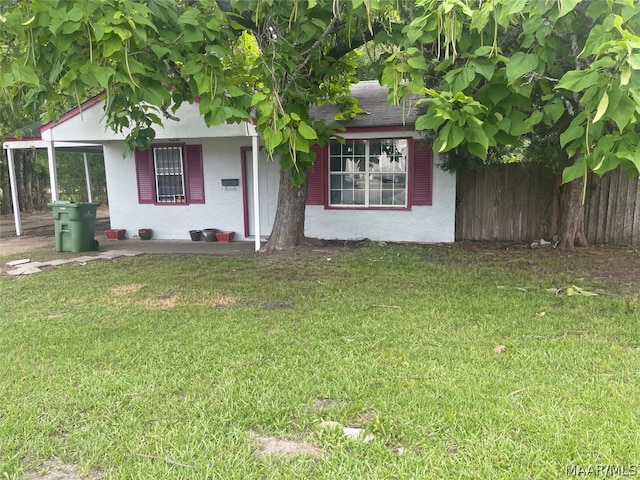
(461, 363)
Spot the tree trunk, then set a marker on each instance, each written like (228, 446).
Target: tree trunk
(288, 226)
(572, 215)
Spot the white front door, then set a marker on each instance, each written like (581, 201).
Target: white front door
(269, 178)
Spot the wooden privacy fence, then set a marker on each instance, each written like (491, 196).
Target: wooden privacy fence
(519, 202)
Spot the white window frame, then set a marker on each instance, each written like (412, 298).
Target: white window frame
(368, 175)
(173, 166)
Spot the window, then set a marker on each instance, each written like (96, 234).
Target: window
(368, 173)
(168, 168)
(170, 174)
(418, 175)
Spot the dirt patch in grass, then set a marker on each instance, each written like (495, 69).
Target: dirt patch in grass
(126, 289)
(56, 469)
(273, 446)
(615, 265)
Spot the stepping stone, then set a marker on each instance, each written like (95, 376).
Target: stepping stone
(84, 259)
(24, 270)
(18, 262)
(60, 261)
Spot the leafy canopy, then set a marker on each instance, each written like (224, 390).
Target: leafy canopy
(260, 61)
(498, 70)
(490, 72)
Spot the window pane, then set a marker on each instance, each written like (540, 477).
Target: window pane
(336, 164)
(400, 197)
(368, 172)
(169, 174)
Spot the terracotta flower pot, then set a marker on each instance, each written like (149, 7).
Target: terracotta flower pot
(225, 237)
(115, 234)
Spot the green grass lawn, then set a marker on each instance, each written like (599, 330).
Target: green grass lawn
(161, 367)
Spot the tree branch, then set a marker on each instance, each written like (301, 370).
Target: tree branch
(310, 50)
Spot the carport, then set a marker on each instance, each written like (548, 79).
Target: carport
(12, 144)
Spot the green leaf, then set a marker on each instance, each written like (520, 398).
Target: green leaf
(459, 79)
(484, 67)
(428, 122)
(306, 131)
(75, 14)
(477, 150)
(623, 113)
(574, 131)
(103, 75)
(625, 75)
(160, 51)
(521, 64)
(577, 170)
(567, 6)
(71, 27)
(110, 45)
(477, 135)
(535, 118)
(189, 17)
(602, 107)
(258, 97)
(24, 73)
(418, 62)
(578, 80)
(272, 138)
(634, 61)
(553, 111)
(512, 7)
(456, 136)
(632, 156)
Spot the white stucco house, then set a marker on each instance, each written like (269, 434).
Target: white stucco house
(381, 183)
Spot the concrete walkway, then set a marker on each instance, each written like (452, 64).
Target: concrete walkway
(39, 236)
(111, 249)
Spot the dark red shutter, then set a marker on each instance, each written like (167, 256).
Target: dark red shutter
(421, 174)
(316, 178)
(194, 173)
(145, 177)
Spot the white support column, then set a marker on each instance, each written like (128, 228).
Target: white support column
(87, 175)
(256, 191)
(14, 192)
(53, 172)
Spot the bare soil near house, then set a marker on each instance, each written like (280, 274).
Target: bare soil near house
(619, 265)
(38, 231)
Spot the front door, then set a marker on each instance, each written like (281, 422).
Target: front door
(269, 178)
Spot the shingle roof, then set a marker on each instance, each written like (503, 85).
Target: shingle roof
(372, 98)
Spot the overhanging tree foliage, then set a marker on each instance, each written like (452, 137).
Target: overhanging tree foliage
(265, 62)
(496, 70)
(499, 70)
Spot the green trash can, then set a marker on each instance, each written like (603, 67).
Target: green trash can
(75, 226)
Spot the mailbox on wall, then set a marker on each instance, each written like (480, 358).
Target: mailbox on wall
(230, 182)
